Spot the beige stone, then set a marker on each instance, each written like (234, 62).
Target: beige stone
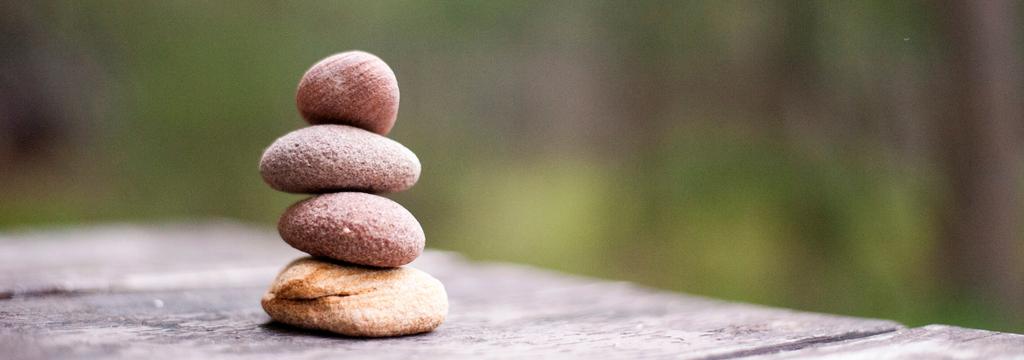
(356, 301)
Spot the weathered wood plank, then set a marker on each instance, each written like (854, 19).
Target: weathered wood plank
(928, 342)
(113, 257)
(157, 295)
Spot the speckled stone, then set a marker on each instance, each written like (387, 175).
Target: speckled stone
(355, 300)
(355, 227)
(351, 88)
(331, 158)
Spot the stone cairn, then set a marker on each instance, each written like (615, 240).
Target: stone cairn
(354, 284)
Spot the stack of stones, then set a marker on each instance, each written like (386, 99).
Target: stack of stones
(354, 282)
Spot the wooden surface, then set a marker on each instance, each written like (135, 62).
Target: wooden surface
(928, 342)
(193, 291)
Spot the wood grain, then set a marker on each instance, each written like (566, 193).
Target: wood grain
(193, 290)
(928, 342)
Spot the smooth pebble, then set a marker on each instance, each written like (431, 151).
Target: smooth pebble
(354, 227)
(351, 88)
(331, 158)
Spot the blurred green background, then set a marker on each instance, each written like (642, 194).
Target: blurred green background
(802, 154)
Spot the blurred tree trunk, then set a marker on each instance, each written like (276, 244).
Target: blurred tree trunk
(978, 147)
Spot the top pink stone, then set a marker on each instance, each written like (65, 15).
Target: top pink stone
(352, 88)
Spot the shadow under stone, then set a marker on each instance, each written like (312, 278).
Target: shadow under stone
(282, 329)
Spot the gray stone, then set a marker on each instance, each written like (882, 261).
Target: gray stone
(332, 158)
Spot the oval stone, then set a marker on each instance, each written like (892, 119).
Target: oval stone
(351, 88)
(354, 227)
(356, 301)
(331, 158)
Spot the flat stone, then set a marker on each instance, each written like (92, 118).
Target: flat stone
(332, 158)
(351, 88)
(356, 301)
(353, 227)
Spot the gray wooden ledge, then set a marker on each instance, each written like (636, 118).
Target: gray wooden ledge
(193, 291)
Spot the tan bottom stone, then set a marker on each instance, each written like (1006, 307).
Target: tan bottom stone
(355, 300)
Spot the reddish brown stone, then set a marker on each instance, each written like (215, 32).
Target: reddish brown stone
(354, 227)
(351, 88)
